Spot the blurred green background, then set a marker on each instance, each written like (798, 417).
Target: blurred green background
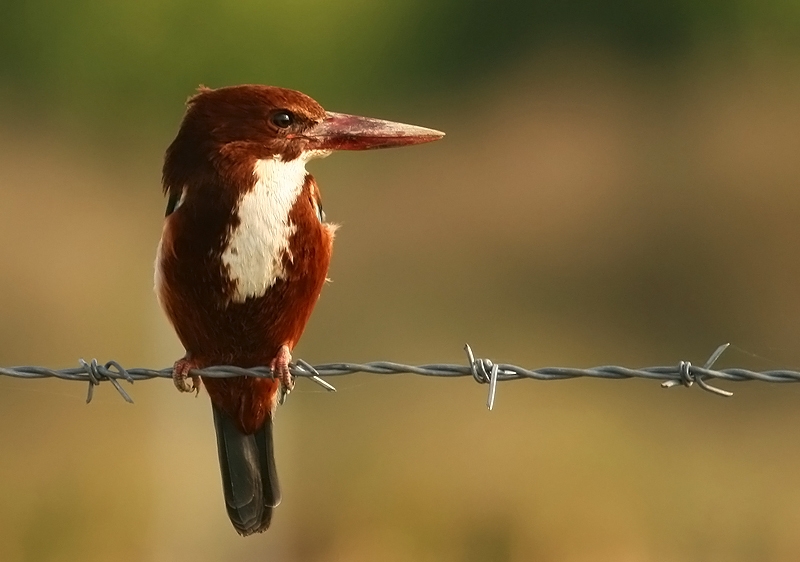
(619, 185)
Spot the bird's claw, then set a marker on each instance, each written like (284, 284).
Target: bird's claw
(280, 371)
(185, 382)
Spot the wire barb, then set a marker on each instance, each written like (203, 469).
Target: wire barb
(483, 371)
(688, 377)
(314, 375)
(95, 374)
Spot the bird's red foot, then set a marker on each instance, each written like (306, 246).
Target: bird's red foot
(181, 377)
(280, 369)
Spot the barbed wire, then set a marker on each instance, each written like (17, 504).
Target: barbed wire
(483, 371)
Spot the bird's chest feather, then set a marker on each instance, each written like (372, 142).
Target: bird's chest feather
(238, 280)
(257, 248)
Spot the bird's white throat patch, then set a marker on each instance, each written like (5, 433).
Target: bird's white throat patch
(256, 246)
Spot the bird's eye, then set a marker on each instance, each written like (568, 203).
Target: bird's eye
(282, 119)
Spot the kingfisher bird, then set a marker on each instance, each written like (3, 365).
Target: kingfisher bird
(243, 256)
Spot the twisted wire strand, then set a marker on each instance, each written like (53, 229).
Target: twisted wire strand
(483, 371)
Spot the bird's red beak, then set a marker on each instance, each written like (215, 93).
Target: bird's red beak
(339, 131)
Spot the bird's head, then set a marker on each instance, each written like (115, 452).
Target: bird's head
(259, 122)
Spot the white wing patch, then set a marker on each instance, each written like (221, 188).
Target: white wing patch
(255, 248)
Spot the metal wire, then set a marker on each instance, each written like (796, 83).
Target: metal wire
(483, 371)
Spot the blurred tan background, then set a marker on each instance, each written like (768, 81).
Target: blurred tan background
(619, 185)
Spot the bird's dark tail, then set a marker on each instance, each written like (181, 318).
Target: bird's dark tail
(249, 478)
